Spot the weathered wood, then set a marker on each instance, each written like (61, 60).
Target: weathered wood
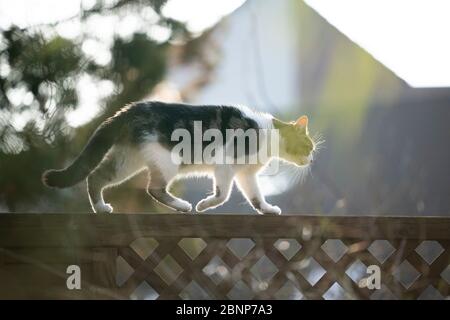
(35, 250)
(115, 230)
(40, 273)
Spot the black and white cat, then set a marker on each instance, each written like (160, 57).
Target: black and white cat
(140, 137)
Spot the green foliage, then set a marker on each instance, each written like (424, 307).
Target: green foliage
(137, 64)
(35, 61)
(39, 72)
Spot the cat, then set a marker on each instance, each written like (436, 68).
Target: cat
(139, 137)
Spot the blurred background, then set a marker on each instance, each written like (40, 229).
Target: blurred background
(374, 80)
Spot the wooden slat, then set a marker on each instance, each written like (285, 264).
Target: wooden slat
(115, 230)
(51, 241)
(41, 273)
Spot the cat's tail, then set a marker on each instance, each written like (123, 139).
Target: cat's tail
(98, 145)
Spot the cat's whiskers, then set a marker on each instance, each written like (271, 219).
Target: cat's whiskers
(318, 141)
(319, 144)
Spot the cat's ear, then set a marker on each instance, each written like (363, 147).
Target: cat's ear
(302, 122)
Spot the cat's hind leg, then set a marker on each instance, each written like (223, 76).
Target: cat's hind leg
(118, 165)
(162, 171)
(158, 189)
(223, 182)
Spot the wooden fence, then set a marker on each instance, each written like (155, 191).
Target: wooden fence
(174, 256)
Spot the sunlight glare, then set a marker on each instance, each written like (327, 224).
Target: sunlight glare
(200, 14)
(90, 93)
(197, 14)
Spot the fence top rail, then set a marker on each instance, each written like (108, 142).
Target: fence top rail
(116, 230)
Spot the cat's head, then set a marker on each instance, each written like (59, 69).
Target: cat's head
(296, 146)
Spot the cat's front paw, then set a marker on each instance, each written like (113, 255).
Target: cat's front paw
(204, 205)
(209, 203)
(181, 205)
(269, 210)
(103, 208)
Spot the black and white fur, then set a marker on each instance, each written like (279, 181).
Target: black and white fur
(138, 138)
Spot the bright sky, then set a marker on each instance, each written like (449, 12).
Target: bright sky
(410, 37)
(197, 14)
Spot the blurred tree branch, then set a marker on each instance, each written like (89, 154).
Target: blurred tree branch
(39, 75)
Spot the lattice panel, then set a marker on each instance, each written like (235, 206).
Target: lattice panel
(271, 268)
